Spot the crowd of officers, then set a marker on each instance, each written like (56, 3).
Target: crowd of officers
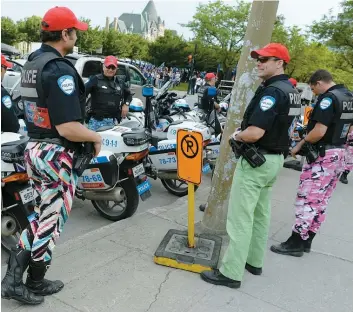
(54, 97)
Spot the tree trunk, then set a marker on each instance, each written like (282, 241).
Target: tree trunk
(258, 34)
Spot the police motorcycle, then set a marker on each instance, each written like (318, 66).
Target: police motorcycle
(161, 162)
(115, 180)
(17, 195)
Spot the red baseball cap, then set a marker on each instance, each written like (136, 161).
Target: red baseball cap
(210, 76)
(4, 62)
(293, 82)
(60, 18)
(272, 49)
(110, 60)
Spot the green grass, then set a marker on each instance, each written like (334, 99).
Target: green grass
(182, 87)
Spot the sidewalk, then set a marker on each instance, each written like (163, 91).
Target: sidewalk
(112, 269)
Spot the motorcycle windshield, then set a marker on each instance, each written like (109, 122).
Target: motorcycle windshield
(164, 89)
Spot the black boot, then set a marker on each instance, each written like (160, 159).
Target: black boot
(307, 243)
(343, 177)
(12, 286)
(36, 281)
(294, 246)
(253, 270)
(217, 278)
(202, 207)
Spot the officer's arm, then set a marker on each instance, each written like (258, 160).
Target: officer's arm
(323, 115)
(127, 95)
(90, 84)
(9, 120)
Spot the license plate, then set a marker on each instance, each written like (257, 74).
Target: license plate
(144, 187)
(138, 170)
(206, 168)
(27, 195)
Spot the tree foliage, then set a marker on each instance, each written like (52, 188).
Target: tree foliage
(220, 25)
(9, 31)
(29, 29)
(91, 40)
(170, 49)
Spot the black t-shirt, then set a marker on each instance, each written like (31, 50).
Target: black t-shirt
(61, 89)
(9, 120)
(324, 112)
(264, 104)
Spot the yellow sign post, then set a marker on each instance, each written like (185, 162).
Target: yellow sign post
(189, 161)
(179, 249)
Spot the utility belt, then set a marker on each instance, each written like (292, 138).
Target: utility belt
(249, 152)
(83, 153)
(313, 151)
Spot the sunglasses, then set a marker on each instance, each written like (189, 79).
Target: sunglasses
(111, 67)
(263, 60)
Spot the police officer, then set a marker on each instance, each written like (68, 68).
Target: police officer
(265, 124)
(348, 157)
(327, 131)
(110, 96)
(9, 120)
(54, 98)
(207, 104)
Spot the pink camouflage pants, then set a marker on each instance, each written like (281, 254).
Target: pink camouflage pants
(348, 156)
(316, 185)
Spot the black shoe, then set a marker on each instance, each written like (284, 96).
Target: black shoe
(253, 270)
(217, 278)
(294, 246)
(202, 207)
(307, 243)
(343, 177)
(36, 281)
(12, 286)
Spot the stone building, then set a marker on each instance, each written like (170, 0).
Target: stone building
(147, 24)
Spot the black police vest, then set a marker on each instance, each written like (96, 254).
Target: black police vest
(37, 117)
(106, 98)
(277, 138)
(343, 116)
(206, 102)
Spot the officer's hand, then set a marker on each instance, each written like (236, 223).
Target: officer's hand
(124, 111)
(237, 131)
(217, 107)
(97, 148)
(295, 150)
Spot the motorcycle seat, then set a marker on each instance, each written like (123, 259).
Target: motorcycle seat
(157, 137)
(176, 122)
(12, 152)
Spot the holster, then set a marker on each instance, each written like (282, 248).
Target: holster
(82, 158)
(312, 152)
(249, 153)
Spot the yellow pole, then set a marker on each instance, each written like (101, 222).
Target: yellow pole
(191, 215)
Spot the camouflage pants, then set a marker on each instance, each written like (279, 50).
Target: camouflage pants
(348, 156)
(316, 185)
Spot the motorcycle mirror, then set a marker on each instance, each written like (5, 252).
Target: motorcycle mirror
(212, 91)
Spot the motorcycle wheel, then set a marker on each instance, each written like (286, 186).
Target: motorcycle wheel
(176, 189)
(125, 209)
(10, 242)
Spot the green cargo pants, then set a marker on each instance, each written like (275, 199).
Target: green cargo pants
(249, 213)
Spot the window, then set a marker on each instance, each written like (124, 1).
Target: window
(121, 70)
(91, 68)
(135, 77)
(15, 67)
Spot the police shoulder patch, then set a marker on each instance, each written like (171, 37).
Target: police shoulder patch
(67, 84)
(325, 103)
(6, 100)
(267, 102)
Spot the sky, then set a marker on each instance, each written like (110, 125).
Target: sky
(296, 12)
